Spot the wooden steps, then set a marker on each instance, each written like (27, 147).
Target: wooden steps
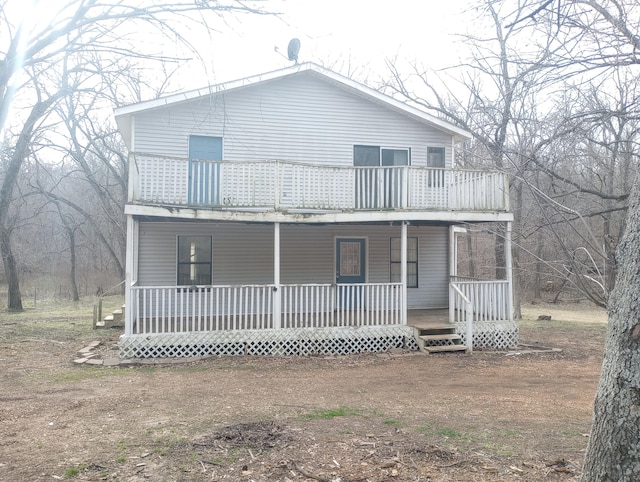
(114, 320)
(438, 338)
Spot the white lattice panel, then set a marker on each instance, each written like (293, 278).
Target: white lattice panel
(294, 342)
(491, 334)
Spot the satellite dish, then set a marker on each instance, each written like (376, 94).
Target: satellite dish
(292, 49)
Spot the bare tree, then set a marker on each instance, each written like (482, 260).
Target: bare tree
(43, 62)
(494, 99)
(604, 37)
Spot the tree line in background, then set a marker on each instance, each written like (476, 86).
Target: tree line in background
(551, 94)
(63, 167)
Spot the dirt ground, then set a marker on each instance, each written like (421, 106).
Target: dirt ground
(520, 415)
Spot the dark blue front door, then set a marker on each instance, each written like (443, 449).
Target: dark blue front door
(350, 269)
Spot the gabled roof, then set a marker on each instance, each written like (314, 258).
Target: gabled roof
(125, 114)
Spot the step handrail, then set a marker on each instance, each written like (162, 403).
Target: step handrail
(468, 317)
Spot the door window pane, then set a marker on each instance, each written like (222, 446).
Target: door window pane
(205, 148)
(349, 258)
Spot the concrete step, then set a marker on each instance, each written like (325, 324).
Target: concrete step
(444, 348)
(112, 321)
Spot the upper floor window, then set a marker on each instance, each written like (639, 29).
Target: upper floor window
(435, 157)
(380, 156)
(194, 260)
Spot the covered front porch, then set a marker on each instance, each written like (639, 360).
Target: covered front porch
(375, 290)
(307, 319)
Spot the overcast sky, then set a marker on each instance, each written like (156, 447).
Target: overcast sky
(362, 33)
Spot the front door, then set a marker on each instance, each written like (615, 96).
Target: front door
(350, 269)
(204, 175)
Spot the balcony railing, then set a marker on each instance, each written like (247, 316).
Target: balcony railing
(280, 185)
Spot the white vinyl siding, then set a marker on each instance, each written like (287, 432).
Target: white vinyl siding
(243, 254)
(300, 118)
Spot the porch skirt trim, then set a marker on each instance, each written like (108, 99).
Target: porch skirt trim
(284, 342)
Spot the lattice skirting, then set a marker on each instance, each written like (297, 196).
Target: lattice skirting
(289, 342)
(491, 334)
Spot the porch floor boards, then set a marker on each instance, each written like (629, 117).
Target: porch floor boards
(428, 319)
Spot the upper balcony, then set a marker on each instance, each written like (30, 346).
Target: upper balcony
(290, 188)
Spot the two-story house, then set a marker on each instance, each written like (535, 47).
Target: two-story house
(300, 212)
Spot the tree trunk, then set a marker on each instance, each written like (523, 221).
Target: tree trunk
(14, 301)
(613, 453)
(537, 286)
(72, 248)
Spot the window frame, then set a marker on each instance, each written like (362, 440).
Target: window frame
(409, 261)
(380, 149)
(196, 263)
(433, 150)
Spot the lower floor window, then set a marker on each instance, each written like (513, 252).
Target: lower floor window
(194, 260)
(412, 261)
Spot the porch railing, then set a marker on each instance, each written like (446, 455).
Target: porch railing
(171, 309)
(461, 310)
(285, 185)
(488, 298)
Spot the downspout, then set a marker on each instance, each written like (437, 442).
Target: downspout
(131, 274)
(131, 257)
(452, 271)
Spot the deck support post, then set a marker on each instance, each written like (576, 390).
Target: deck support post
(277, 296)
(509, 270)
(131, 273)
(452, 271)
(403, 274)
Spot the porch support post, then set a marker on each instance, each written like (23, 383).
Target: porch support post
(509, 270)
(131, 273)
(452, 271)
(277, 296)
(403, 275)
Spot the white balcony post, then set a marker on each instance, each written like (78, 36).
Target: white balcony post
(278, 186)
(506, 196)
(134, 179)
(509, 270)
(405, 187)
(131, 273)
(277, 297)
(403, 275)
